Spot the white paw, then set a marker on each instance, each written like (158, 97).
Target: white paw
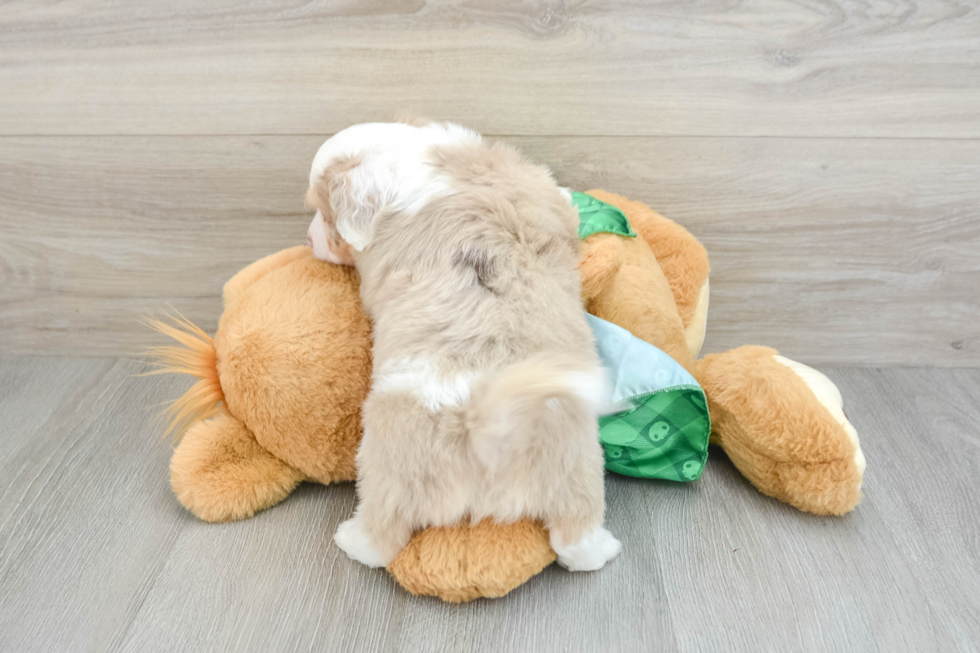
(591, 552)
(355, 542)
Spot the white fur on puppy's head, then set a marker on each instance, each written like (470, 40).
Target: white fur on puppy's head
(368, 168)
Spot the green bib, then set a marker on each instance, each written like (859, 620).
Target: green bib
(663, 426)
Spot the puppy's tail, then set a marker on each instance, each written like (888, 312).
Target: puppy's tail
(504, 418)
(196, 356)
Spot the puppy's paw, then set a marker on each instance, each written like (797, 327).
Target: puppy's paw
(591, 552)
(355, 542)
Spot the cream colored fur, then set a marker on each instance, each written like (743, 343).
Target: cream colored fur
(694, 331)
(486, 384)
(827, 393)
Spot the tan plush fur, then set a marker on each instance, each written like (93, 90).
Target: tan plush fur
(196, 356)
(683, 262)
(762, 414)
(463, 562)
(774, 429)
(317, 340)
(764, 417)
(221, 473)
(292, 357)
(680, 257)
(624, 285)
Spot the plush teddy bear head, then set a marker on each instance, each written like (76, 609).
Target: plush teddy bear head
(291, 362)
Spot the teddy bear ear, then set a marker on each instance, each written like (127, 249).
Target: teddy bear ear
(357, 188)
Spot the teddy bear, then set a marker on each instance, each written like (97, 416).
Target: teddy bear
(280, 385)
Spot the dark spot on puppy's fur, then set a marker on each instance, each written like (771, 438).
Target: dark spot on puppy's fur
(482, 264)
(548, 247)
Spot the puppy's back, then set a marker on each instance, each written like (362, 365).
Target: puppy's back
(486, 273)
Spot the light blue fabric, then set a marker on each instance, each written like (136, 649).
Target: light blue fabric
(635, 366)
(660, 425)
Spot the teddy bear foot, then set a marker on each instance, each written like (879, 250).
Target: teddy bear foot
(466, 562)
(220, 473)
(783, 426)
(830, 398)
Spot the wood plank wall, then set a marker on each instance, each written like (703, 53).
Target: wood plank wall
(827, 152)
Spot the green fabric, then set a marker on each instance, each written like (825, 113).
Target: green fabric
(665, 436)
(663, 426)
(595, 216)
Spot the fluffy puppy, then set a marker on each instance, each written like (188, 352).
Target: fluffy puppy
(486, 384)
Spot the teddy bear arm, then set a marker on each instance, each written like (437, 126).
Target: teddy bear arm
(220, 472)
(682, 258)
(684, 262)
(782, 425)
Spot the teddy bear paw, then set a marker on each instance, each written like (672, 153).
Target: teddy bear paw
(830, 398)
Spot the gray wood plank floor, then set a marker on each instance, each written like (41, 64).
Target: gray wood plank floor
(96, 554)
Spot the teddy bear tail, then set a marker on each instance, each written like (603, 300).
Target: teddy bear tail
(196, 356)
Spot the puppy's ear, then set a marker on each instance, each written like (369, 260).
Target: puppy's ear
(357, 189)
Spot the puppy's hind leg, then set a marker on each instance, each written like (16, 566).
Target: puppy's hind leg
(575, 526)
(394, 460)
(369, 542)
(376, 533)
(591, 551)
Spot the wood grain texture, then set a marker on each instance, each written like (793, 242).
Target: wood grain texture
(835, 251)
(96, 554)
(86, 515)
(620, 67)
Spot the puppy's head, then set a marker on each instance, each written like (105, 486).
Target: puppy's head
(366, 170)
